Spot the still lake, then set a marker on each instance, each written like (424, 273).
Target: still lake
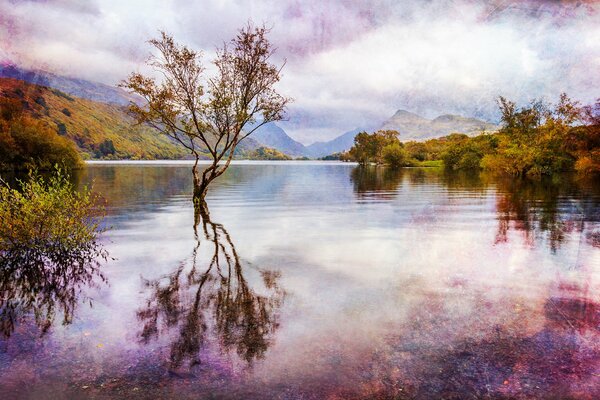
(312, 280)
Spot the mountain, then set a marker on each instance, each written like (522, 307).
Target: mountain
(272, 135)
(411, 127)
(341, 143)
(75, 87)
(100, 115)
(415, 127)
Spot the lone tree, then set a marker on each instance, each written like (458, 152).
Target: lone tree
(210, 114)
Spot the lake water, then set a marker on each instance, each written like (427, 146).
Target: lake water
(316, 280)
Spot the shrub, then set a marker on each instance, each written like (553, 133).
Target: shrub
(267, 153)
(41, 101)
(49, 248)
(589, 164)
(62, 94)
(62, 129)
(106, 148)
(452, 156)
(470, 160)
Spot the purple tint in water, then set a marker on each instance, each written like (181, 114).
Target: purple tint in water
(325, 280)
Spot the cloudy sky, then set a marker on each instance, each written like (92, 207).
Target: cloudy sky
(350, 63)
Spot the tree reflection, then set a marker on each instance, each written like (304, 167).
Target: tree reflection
(376, 182)
(209, 298)
(50, 250)
(465, 180)
(42, 286)
(544, 209)
(547, 210)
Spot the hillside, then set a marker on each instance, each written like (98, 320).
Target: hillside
(415, 127)
(75, 87)
(98, 129)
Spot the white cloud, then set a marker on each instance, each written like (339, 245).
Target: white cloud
(350, 63)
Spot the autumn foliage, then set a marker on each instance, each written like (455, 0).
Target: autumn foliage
(97, 130)
(535, 140)
(50, 249)
(27, 143)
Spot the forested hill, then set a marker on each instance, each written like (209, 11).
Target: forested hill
(99, 130)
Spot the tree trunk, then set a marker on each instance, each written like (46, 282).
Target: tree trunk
(200, 190)
(201, 214)
(200, 187)
(202, 180)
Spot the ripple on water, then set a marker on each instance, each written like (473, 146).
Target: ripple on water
(322, 280)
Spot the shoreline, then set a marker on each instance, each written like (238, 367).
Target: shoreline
(207, 162)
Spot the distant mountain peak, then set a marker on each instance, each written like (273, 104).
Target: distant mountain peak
(412, 126)
(403, 116)
(405, 113)
(272, 135)
(339, 144)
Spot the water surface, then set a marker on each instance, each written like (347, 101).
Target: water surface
(310, 280)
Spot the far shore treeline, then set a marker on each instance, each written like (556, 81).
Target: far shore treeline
(538, 139)
(535, 140)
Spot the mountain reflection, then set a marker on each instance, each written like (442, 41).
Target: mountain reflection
(43, 279)
(210, 298)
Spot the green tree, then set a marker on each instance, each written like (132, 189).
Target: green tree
(368, 148)
(532, 139)
(467, 153)
(106, 148)
(395, 155)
